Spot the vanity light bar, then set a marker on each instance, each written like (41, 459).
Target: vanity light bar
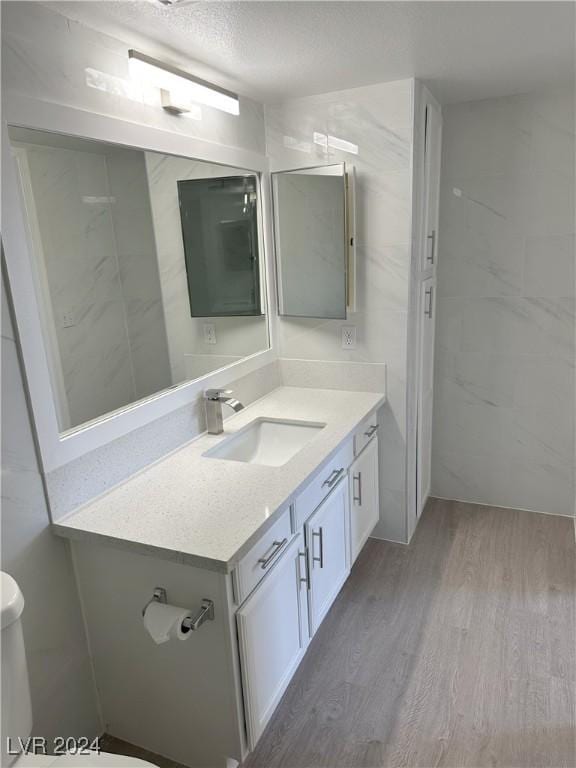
(182, 84)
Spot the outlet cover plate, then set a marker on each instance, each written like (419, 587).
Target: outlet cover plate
(348, 337)
(209, 333)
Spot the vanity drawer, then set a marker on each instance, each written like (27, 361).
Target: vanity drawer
(365, 432)
(259, 561)
(323, 482)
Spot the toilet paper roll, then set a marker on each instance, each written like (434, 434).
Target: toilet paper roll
(164, 622)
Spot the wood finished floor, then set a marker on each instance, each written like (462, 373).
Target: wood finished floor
(455, 651)
(458, 650)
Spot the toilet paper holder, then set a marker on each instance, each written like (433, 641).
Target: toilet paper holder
(204, 613)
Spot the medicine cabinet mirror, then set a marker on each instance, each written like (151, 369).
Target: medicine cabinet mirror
(148, 268)
(314, 241)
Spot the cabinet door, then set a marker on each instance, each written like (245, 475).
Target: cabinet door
(364, 501)
(426, 391)
(432, 153)
(328, 558)
(272, 637)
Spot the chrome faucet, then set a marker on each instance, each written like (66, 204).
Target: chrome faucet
(213, 399)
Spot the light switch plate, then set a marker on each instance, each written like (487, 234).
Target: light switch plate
(348, 337)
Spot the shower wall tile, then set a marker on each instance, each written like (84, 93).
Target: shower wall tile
(505, 335)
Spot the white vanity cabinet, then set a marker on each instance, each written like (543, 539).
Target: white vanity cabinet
(326, 534)
(364, 497)
(273, 635)
(276, 622)
(205, 701)
(333, 516)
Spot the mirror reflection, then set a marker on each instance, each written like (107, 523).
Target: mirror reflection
(311, 241)
(220, 234)
(148, 268)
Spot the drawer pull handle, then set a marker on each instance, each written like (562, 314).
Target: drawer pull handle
(276, 547)
(371, 431)
(358, 478)
(320, 534)
(334, 476)
(306, 579)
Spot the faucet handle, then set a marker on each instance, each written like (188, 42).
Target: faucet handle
(216, 394)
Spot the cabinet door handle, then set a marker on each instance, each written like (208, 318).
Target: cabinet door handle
(371, 430)
(333, 477)
(276, 547)
(358, 478)
(431, 256)
(320, 534)
(306, 579)
(428, 312)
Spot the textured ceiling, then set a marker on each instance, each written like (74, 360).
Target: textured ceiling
(272, 50)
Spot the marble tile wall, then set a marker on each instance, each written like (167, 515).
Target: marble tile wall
(504, 381)
(76, 234)
(378, 120)
(93, 216)
(138, 271)
(63, 694)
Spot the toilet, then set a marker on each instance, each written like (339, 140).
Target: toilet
(16, 703)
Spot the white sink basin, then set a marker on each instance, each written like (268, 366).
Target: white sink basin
(272, 442)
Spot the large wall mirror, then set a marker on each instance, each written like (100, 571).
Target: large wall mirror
(312, 241)
(148, 268)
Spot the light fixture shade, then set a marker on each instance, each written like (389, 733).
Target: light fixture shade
(182, 85)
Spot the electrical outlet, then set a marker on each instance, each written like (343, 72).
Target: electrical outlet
(68, 320)
(348, 337)
(209, 333)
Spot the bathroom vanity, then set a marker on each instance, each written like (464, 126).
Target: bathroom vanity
(269, 543)
(262, 523)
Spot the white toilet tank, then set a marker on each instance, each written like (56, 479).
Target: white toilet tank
(16, 705)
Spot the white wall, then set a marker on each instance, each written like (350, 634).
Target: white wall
(63, 695)
(378, 119)
(504, 389)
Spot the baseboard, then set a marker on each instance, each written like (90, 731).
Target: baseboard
(501, 506)
(390, 541)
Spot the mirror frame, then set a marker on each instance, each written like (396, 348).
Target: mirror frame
(56, 448)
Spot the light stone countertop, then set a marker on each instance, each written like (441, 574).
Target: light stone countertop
(208, 512)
